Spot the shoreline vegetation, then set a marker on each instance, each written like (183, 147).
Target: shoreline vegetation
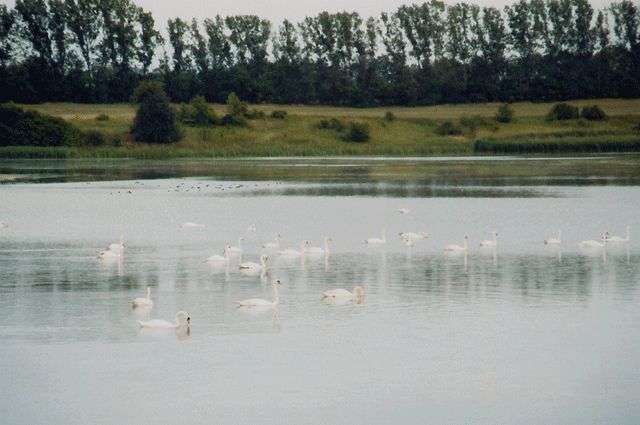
(303, 130)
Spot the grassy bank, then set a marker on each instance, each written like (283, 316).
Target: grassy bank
(413, 131)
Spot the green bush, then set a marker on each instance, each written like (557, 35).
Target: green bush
(358, 132)
(593, 113)
(332, 124)
(562, 112)
(102, 117)
(389, 116)
(29, 128)
(448, 128)
(279, 115)
(255, 114)
(235, 107)
(237, 120)
(94, 138)
(202, 114)
(505, 113)
(155, 120)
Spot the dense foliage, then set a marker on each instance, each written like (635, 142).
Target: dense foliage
(593, 113)
(21, 128)
(155, 120)
(99, 50)
(563, 111)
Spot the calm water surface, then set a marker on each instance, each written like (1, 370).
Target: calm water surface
(525, 333)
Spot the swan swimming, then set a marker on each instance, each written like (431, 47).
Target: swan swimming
(258, 302)
(255, 267)
(217, 258)
(3, 224)
(117, 247)
(293, 253)
(251, 228)
(412, 235)
(273, 245)
(458, 247)
(190, 224)
(318, 250)
(617, 238)
(378, 241)
(554, 241)
(143, 302)
(593, 244)
(357, 292)
(163, 324)
(492, 243)
(236, 249)
(107, 254)
(404, 210)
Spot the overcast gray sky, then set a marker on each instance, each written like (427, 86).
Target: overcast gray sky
(277, 10)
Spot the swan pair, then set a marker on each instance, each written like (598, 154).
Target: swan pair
(163, 324)
(258, 302)
(114, 250)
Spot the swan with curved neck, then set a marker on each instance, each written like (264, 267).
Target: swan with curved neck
(378, 241)
(258, 302)
(252, 267)
(554, 241)
(356, 292)
(593, 244)
(236, 249)
(458, 248)
(318, 250)
(163, 324)
(217, 258)
(273, 245)
(143, 302)
(491, 243)
(617, 238)
(294, 253)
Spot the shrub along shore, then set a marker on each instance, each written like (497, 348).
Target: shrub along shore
(240, 130)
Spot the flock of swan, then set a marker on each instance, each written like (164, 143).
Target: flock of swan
(116, 250)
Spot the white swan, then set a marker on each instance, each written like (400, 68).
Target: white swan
(163, 324)
(258, 302)
(293, 253)
(357, 292)
(255, 267)
(458, 247)
(592, 244)
(492, 243)
(413, 236)
(404, 210)
(143, 302)
(251, 228)
(378, 241)
(3, 224)
(318, 250)
(617, 238)
(107, 254)
(189, 224)
(554, 241)
(236, 249)
(273, 245)
(217, 258)
(117, 246)
(411, 243)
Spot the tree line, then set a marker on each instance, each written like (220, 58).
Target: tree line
(419, 54)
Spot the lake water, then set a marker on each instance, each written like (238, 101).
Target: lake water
(525, 333)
